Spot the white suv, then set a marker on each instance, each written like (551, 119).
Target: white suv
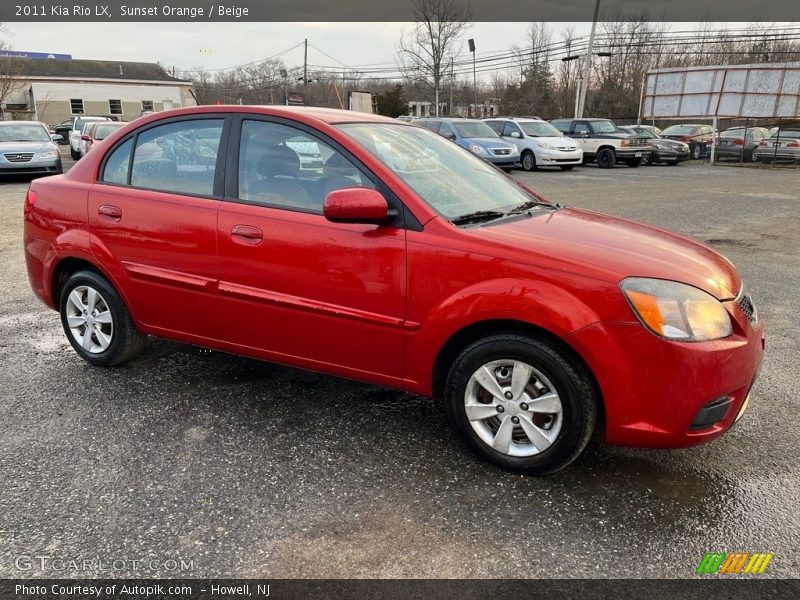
(541, 144)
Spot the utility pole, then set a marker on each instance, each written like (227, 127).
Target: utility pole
(587, 65)
(450, 110)
(305, 67)
(471, 43)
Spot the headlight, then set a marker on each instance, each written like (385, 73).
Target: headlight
(546, 146)
(624, 143)
(479, 150)
(677, 311)
(660, 146)
(48, 154)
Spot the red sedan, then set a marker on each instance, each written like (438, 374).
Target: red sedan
(368, 248)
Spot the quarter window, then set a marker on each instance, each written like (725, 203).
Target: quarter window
(115, 107)
(283, 166)
(116, 169)
(178, 157)
(76, 106)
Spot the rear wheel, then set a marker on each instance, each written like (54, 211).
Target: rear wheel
(606, 158)
(96, 321)
(520, 403)
(528, 161)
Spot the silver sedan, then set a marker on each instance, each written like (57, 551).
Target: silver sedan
(27, 148)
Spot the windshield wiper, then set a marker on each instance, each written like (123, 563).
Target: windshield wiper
(477, 217)
(526, 206)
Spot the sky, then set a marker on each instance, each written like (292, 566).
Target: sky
(217, 45)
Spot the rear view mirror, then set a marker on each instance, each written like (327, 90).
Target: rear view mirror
(357, 205)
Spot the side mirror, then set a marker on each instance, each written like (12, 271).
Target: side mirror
(515, 134)
(56, 137)
(86, 138)
(357, 205)
(449, 135)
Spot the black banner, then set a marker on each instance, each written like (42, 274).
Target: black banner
(454, 589)
(389, 10)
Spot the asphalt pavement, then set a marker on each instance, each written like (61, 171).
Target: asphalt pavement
(193, 463)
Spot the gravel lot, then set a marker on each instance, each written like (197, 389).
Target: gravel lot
(256, 470)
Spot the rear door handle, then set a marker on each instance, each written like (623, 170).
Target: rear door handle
(112, 212)
(247, 235)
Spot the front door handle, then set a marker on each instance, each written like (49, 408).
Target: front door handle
(247, 235)
(111, 212)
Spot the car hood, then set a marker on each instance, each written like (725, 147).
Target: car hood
(488, 142)
(9, 147)
(671, 143)
(559, 142)
(626, 248)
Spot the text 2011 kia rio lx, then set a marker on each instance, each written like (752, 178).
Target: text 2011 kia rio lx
(371, 249)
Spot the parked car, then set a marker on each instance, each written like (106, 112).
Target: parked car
(77, 131)
(478, 138)
(652, 128)
(699, 137)
(62, 130)
(603, 142)
(671, 152)
(540, 144)
(28, 148)
(406, 262)
(740, 143)
(783, 146)
(96, 131)
(407, 118)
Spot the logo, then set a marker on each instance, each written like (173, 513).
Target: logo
(734, 563)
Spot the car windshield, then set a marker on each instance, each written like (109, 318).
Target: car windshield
(787, 133)
(103, 130)
(474, 129)
(23, 133)
(539, 129)
(680, 130)
(450, 179)
(81, 123)
(604, 127)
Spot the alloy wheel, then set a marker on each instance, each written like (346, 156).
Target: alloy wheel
(89, 319)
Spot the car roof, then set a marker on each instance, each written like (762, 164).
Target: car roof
(8, 123)
(326, 115)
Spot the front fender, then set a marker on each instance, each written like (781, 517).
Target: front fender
(538, 303)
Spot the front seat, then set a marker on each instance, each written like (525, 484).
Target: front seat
(339, 173)
(279, 168)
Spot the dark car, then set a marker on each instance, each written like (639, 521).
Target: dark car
(699, 137)
(740, 143)
(664, 150)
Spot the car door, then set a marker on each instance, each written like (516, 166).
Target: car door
(153, 219)
(295, 286)
(582, 134)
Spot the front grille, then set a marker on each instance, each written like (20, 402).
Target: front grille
(749, 310)
(501, 151)
(567, 149)
(639, 142)
(18, 157)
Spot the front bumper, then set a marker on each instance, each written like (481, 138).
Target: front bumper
(654, 389)
(668, 156)
(558, 157)
(509, 160)
(628, 153)
(51, 166)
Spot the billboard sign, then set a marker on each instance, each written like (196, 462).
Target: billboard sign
(746, 91)
(19, 54)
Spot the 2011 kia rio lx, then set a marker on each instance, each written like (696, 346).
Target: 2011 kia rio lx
(372, 249)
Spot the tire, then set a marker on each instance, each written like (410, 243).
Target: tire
(646, 160)
(695, 151)
(566, 167)
(752, 156)
(529, 161)
(634, 162)
(606, 158)
(115, 339)
(562, 428)
(73, 154)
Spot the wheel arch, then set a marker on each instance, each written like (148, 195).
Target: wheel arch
(469, 334)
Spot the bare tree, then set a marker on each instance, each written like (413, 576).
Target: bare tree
(424, 53)
(10, 70)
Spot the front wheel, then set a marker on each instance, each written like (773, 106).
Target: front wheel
(528, 161)
(521, 403)
(73, 154)
(696, 151)
(647, 159)
(606, 158)
(96, 321)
